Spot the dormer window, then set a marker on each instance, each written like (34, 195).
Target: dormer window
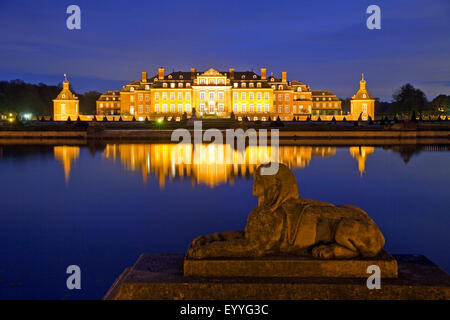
(254, 76)
(251, 85)
(323, 93)
(274, 87)
(299, 89)
(243, 76)
(147, 87)
(258, 84)
(132, 89)
(170, 76)
(211, 81)
(364, 95)
(280, 87)
(181, 76)
(272, 79)
(244, 85)
(235, 84)
(188, 85)
(164, 85)
(63, 95)
(172, 85)
(180, 85)
(202, 81)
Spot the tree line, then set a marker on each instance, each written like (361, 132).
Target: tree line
(16, 96)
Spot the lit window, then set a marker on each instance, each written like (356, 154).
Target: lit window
(280, 109)
(286, 97)
(220, 107)
(235, 96)
(172, 85)
(258, 85)
(140, 97)
(235, 84)
(294, 109)
(131, 98)
(235, 107)
(364, 108)
(63, 108)
(280, 97)
(164, 85)
(147, 109)
(172, 107)
(280, 87)
(131, 110)
(132, 89)
(164, 108)
(266, 96)
(156, 107)
(250, 108)
(164, 96)
(180, 95)
(202, 107)
(147, 97)
(251, 85)
(364, 95)
(202, 95)
(286, 109)
(259, 96)
(299, 89)
(243, 106)
(220, 95)
(188, 108)
(180, 85)
(243, 96)
(212, 96)
(156, 95)
(180, 108)
(147, 87)
(258, 108)
(172, 96)
(141, 109)
(211, 81)
(266, 107)
(188, 85)
(251, 96)
(244, 85)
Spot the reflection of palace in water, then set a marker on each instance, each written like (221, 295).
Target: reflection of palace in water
(66, 154)
(361, 153)
(210, 167)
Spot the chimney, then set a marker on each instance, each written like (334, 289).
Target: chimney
(231, 73)
(193, 73)
(263, 73)
(283, 76)
(161, 73)
(144, 76)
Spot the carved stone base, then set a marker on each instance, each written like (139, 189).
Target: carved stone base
(286, 267)
(160, 276)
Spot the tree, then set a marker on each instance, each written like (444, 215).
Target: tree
(441, 104)
(408, 98)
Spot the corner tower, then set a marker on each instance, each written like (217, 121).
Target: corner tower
(362, 103)
(65, 105)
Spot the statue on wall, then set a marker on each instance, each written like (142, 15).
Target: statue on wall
(284, 224)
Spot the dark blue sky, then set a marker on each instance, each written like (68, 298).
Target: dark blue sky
(322, 43)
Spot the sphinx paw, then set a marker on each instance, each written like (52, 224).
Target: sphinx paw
(323, 252)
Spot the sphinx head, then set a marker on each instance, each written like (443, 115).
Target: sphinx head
(273, 190)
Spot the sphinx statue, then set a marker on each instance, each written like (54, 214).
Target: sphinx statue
(283, 224)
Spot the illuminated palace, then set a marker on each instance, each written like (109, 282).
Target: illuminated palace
(217, 94)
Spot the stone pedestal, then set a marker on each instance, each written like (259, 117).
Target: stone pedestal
(288, 267)
(160, 276)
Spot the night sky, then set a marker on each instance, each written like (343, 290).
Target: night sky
(325, 44)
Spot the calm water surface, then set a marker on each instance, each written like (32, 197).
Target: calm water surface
(99, 207)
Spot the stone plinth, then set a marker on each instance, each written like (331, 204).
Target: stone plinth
(160, 276)
(287, 267)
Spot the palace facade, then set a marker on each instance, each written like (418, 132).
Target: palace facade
(214, 94)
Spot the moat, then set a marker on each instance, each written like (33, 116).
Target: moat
(100, 205)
